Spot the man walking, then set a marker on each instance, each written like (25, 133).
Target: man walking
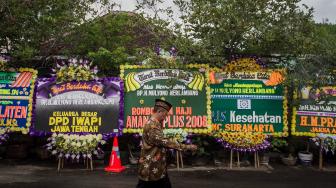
(152, 163)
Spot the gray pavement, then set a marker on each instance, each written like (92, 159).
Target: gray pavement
(74, 176)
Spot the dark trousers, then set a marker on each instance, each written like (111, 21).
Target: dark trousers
(162, 183)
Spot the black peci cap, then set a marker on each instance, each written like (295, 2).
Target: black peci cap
(163, 104)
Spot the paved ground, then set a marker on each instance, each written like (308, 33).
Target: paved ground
(44, 176)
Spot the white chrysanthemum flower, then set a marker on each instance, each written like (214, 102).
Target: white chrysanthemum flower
(67, 155)
(100, 136)
(89, 136)
(103, 142)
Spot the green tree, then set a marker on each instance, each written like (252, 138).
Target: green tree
(115, 38)
(212, 31)
(260, 27)
(116, 29)
(109, 61)
(319, 67)
(325, 40)
(33, 31)
(33, 28)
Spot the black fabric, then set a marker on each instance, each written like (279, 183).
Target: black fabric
(162, 183)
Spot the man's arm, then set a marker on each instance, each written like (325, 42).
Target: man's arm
(155, 137)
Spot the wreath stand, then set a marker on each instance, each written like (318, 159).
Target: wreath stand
(179, 159)
(256, 159)
(87, 162)
(321, 154)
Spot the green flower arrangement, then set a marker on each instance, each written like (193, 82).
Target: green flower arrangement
(178, 135)
(163, 59)
(75, 146)
(75, 70)
(3, 135)
(278, 143)
(328, 142)
(3, 65)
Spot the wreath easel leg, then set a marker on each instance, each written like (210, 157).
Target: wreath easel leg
(59, 164)
(181, 157)
(238, 162)
(231, 156)
(177, 160)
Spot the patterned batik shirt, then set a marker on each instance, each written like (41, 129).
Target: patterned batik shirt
(152, 162)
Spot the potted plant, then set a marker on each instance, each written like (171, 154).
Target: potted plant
(288, 160)
(202, 156)
(305, 157)
(277, 146)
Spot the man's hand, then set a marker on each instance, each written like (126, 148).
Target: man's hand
(192, 147)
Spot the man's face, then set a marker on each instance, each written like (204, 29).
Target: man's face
(163, 114)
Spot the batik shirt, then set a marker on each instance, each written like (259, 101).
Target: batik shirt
(152, 162)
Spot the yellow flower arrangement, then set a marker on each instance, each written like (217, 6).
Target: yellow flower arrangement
(285, 116)
(4, 134)
(3, 65)
(243, 64)
(242, 139)
(75, 70)
(293, 122)
(30, 100)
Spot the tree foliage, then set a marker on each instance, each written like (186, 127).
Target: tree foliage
(26, 26)
(325, 40)
(281, 30)
(109, 61)
(259, 27)
(114, 39)
(33, 31)
(204, 32)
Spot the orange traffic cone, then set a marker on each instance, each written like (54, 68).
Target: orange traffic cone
(115, 162)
